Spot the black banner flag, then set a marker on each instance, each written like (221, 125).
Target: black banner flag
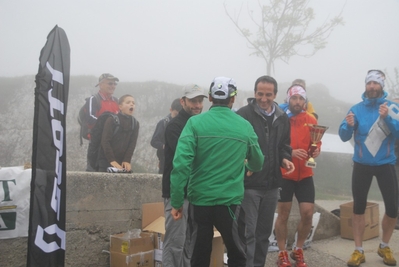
(47, 236)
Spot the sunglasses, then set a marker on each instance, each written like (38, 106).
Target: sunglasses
(112, 83)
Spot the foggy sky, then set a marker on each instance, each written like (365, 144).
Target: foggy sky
(192, 41)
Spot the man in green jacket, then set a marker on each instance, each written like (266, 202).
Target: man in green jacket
(212, 153)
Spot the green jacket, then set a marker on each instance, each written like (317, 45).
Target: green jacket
(210, 157)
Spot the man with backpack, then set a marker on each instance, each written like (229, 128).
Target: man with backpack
(158, 138)
(97, 104)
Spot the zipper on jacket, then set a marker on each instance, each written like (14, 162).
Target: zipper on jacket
(267, 137)
(297, 145)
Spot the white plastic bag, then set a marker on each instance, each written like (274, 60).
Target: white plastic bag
(272, 238)
(308, 241)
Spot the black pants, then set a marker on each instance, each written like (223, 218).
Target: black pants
(225, 219)
(362, 177)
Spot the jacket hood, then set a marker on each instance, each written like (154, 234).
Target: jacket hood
(374, 101)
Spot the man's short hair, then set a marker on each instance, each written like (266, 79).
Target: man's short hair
(301, 82)
(122, 98)
(176, 105)
(223, 102)
(267, 79)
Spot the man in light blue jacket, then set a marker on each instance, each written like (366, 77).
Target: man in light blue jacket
(374, 131)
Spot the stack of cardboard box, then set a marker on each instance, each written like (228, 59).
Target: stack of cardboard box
(129, 251)
(146, 250)
(153, 221)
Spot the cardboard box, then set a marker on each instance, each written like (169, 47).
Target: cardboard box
(151, 212)
(217, 255)
(155, 212)
(118, 243)
(134, 260)
(372, 218)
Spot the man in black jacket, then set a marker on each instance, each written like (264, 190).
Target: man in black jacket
(272, 126)
(176, 250)
(158, 138)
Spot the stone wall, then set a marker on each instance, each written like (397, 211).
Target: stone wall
(98, 205)
(101, 204)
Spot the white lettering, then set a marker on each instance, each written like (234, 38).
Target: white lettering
(58, 135)
(58, 166)
(58, 141)
(57, 75)
(56, 199)
(50, 230)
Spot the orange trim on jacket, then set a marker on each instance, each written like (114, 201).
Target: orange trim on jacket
(300, 138)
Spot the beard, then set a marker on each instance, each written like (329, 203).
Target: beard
(296, 109)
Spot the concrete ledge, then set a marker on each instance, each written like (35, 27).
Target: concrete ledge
(101, 204)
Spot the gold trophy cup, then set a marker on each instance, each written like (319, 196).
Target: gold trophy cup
(316, 133)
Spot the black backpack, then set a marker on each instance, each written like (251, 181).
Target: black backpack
(84, 114)
(96, 135)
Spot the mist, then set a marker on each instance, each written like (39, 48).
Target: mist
(180, 42)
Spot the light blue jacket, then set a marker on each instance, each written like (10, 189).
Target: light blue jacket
(366, 113)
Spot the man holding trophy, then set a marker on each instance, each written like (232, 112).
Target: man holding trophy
(305, 143)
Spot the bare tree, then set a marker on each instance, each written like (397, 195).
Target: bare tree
(282, 27)
(392, 83)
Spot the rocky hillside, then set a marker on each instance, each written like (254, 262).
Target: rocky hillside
(152, 103)
(153, 100)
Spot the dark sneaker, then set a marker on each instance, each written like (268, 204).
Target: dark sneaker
(387, 256)
(283, 260)
(297, 255)
(357, 257)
